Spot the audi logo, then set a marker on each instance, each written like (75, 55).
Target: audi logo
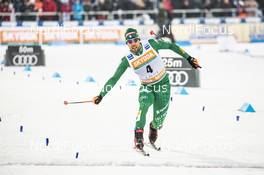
(22, 60)
(178, 78)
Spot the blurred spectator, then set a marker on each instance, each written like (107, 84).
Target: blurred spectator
(65, 9)
(93, 4)
(225, 4)
(129, 4)
(87, 5)
(186, 4)
(49, 6)
(208, 4)
(167, 5)
(125, 5)
(197, 4)
(242, 13)
(5, 8)
(103, 5)
(149, 4)
(113, 5)
(65, 5)
(251, 4)
(58, 4)
(164, 22)
(77, 9)
(217, 4)
(17, 4)
(38, 6)
(164, 19)
(139, 4)
(29, 6)
(261, 5)
(176, 4)
(18, 7)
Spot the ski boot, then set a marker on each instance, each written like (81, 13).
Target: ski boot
(153, 134)
(139, 140)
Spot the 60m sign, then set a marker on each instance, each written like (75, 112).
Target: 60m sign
(24, 55)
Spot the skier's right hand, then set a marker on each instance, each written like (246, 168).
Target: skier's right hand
(97, 99)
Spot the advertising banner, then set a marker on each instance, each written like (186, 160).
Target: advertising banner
(9, 36)
(68, 35)
(101, 35)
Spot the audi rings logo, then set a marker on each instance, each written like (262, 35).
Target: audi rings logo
(178, 78)
(22, 60)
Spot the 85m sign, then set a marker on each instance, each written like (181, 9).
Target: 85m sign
(181, 73)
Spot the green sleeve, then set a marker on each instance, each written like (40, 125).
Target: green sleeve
(157, 45)
(113, 80)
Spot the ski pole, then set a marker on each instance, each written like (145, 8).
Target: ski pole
(76, 102)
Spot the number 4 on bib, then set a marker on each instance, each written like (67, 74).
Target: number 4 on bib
(149, 69)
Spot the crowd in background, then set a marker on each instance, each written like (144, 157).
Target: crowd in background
(77, 7)
(209, 4)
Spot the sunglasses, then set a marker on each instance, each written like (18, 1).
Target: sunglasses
(134, 40)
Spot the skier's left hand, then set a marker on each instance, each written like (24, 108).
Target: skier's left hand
(193, 62)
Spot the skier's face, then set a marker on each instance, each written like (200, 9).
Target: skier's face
(134, 44)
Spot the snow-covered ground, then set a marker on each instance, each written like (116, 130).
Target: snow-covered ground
(193, 140)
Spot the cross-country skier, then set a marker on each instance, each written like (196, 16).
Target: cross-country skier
(143, 57)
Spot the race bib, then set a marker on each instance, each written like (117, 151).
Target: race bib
(149, 66)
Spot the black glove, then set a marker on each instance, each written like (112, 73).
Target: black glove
(97, 99)
(193, 62)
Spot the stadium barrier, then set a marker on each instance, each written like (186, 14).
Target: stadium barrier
(192, 32)
(132, 14)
